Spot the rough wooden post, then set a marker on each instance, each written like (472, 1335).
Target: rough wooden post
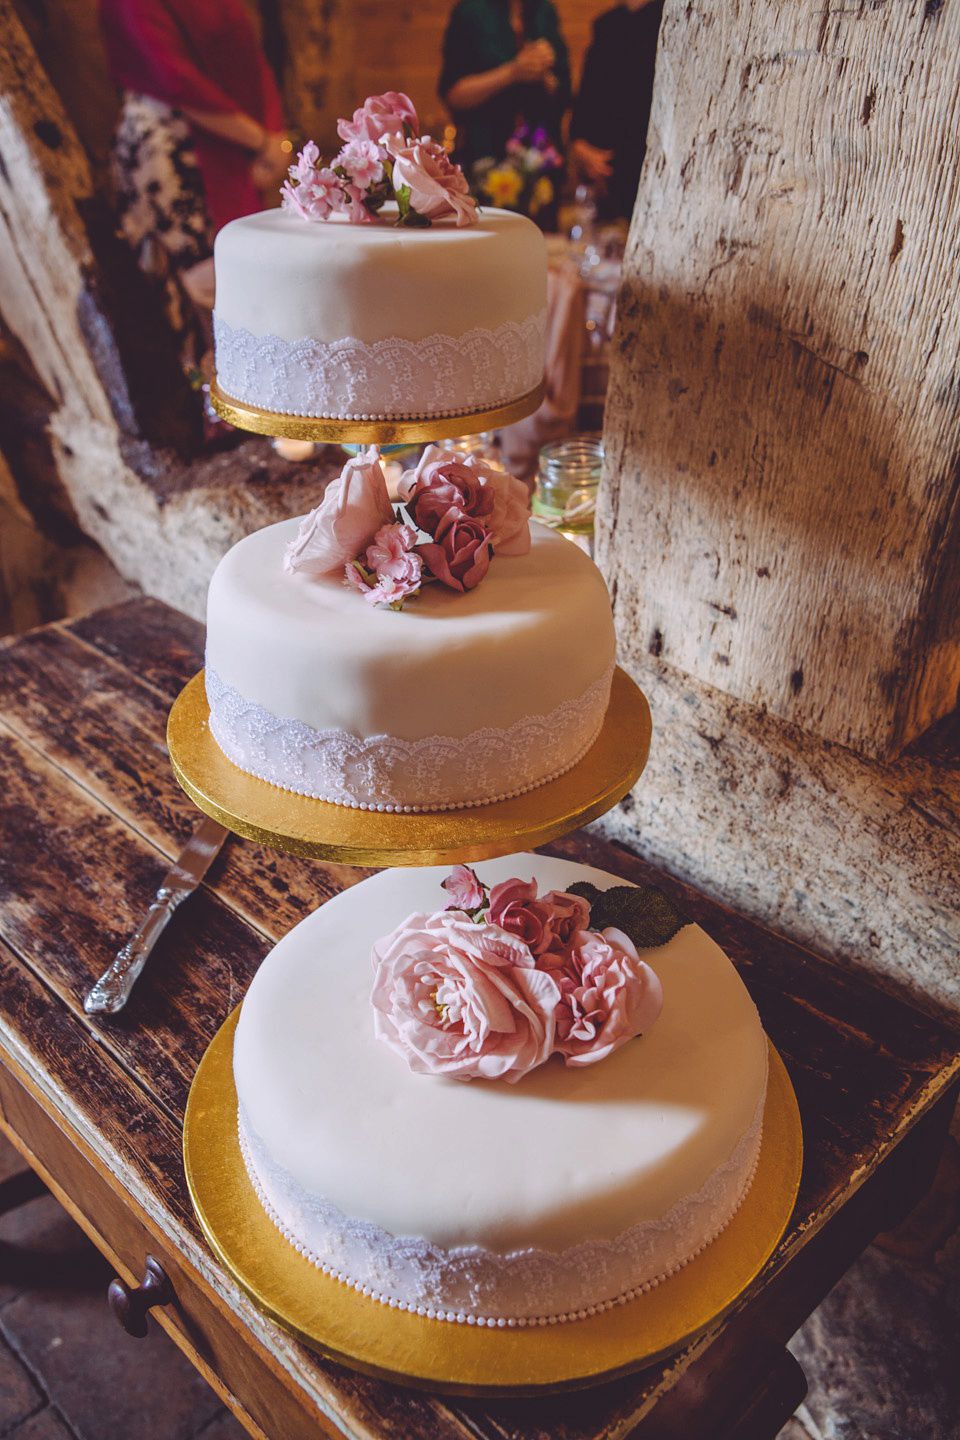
(784, 425)
(780, 515)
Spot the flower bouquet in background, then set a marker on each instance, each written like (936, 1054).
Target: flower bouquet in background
(525, 179)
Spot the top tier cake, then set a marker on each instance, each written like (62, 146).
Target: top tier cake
(378, 291)
(376, 321)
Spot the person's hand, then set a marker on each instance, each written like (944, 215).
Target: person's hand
(533, 61)
(592, 162)
(271, 162)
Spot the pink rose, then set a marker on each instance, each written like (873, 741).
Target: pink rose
(465, 889)
(515, 908)
(609, 996)
(353, 509)
(508, 515)
(441, 483)
(380, 115)
(462, 999)
(437, 186)
(459, 556)
(568, 915)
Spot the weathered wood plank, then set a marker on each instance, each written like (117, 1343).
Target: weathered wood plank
(115, 747)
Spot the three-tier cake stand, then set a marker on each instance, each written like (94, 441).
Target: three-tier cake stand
(324, 1313)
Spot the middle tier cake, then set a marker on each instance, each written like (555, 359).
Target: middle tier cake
(461, 698)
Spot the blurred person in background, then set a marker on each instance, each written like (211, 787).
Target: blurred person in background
(608, 128)
(200, 138)
(505, 71)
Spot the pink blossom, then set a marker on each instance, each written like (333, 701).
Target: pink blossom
(459, 555)
(609, 996)
(380, 115)
(464, 887)
(390, 553)
(462, 999)
(393, 563)
(509, 513)
(441, 483)
(437, 186)
(362, 162)
(318, 195)
(353, 509)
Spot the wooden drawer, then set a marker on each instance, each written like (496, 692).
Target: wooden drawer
(217, 1342)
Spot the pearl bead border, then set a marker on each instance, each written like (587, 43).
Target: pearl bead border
(492, 1322)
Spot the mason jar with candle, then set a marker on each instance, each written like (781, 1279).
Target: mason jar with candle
(565, 494)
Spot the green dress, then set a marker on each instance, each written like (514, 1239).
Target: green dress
(479, 37)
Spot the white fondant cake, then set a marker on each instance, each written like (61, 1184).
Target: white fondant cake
(552, 1197)
(458, 700)
(379, 321)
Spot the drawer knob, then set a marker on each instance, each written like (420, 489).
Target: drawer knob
(130, 1306)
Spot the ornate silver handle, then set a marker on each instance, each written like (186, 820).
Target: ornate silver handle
(112, 991)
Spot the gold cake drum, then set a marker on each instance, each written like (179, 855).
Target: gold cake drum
(325, 430)
(300, 825)
(464, 1359)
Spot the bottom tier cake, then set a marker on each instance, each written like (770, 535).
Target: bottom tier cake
(595, 1165)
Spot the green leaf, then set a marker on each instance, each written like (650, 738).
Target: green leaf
(640, 911)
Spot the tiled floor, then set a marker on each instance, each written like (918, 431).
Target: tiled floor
(67, 1372)
(882, 1354)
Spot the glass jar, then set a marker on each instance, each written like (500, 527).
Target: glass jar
(568, 478)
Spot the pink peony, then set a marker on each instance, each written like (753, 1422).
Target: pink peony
(609, 996)
(437, 186)
(459, 555)
(440, 483)
(462, 999)
(509, 513)
(380, 115)
(464, 887)
(353, 509)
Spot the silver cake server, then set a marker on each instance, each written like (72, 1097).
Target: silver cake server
(112, 991)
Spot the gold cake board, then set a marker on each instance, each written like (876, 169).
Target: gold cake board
(462, 1359)
(325, 430)
(282, 820)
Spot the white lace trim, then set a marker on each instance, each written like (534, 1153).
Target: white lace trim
(351, 380)
(473, 1286)
(436, 772)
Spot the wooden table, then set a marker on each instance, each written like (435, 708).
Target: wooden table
(92, 816)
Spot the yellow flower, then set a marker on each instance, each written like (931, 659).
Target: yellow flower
(542, 195)
(503, 186)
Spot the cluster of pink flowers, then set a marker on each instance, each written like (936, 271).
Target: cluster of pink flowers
(496, 983)
(467, 511)
(383, 158)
